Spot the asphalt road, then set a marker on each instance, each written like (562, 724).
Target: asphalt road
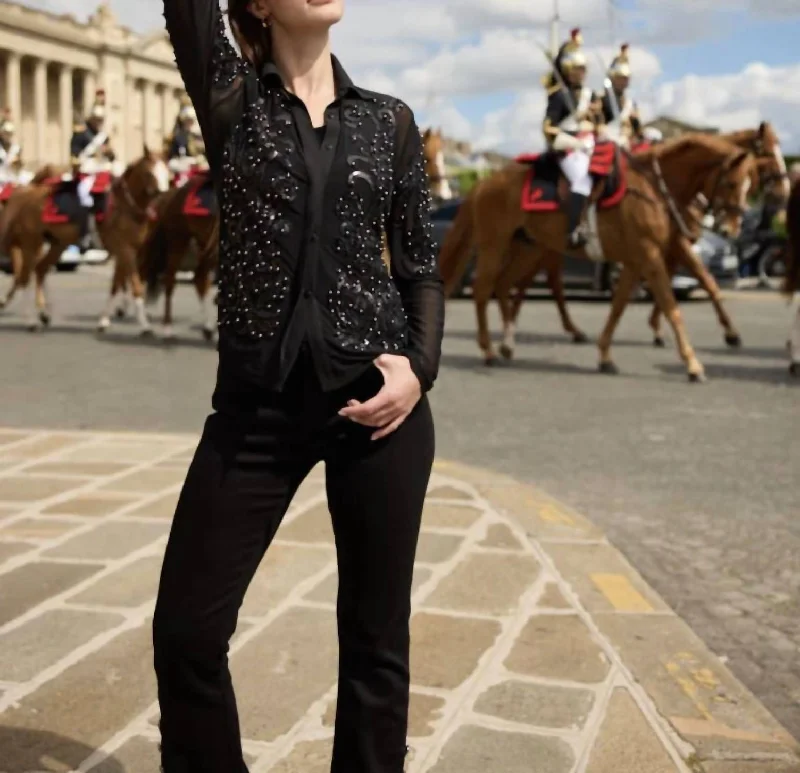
(698, 485)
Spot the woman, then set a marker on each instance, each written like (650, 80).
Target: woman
(324, 355)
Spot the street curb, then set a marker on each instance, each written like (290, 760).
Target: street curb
(718, 724)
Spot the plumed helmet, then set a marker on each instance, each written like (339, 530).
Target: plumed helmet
(187, 113)
(7, 126)
(620, 66)
(98, 112)
(571, 55)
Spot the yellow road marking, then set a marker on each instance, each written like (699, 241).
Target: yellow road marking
(620, 593)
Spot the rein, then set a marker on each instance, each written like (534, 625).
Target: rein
(670, 200)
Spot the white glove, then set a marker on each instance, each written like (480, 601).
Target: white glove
(588, 144)
(564, 141)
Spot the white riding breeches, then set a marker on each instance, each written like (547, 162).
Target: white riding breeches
(575, 166)
(85, 191)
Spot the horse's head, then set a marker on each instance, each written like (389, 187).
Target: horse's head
(433, 151)
(765, 145)
(148, 176)
(727, 189)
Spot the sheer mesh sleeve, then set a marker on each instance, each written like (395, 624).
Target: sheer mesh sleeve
(210, 66)
(414, 254)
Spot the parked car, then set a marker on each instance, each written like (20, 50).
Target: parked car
(718, 254)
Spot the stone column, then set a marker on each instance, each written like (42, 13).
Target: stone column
(149, 113)
(14, 87)
(40, 109)
(66, 110)
(89, 88)
(166, 112)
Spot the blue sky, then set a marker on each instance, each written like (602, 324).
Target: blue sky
(473, 67)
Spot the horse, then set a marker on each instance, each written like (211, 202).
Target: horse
(637, 232)
(433, 153)
(24, 232)
(792, 279)
(183, 222)
(772, 179)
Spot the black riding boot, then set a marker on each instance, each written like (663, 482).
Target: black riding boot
(575, 207)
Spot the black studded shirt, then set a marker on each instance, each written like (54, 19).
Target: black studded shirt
(303, 220)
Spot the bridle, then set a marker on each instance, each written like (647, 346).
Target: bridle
(139, 213)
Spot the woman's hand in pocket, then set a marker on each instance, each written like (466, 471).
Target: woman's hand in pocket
(396, 399)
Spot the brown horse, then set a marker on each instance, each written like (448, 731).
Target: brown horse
(433, 152)
(161, 256)
(23, 234)
(792, 281)
(637, 233)
(771, 179)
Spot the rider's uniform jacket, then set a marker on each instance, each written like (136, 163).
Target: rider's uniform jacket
(621, 129)
(86, 147)
(560, 117)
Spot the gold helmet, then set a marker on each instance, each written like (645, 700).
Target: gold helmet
(98, 112)
(621, 67)
(570, 57)
(7, 127)
(187, 113)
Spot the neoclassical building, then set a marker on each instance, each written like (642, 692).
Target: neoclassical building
(51, 66)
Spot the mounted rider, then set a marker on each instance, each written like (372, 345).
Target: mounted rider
(91, 154)
(569, 127)
(620, 113)
(10, 152)
(186, 148)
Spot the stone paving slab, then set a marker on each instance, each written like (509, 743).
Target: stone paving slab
(535, 645)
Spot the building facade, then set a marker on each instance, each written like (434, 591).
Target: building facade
(52, 65)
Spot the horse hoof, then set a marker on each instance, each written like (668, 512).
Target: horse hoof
(490, 361)
(734, 340)
(697, 378)
(506, 352)
(580, 338)
(45, 318)
(609, 368)
(659, 342)
(208, 335)
(34, 327)
(120, 313)
(794, 369)
(147, 333)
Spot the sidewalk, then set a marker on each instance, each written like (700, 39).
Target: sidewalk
(536, 647)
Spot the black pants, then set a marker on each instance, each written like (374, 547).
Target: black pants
(253, 455)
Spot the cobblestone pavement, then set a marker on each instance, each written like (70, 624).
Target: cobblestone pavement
(535, 645)
(696, 485)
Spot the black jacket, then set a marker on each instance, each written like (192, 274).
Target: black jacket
(302, 220)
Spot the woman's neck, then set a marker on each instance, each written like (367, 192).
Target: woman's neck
(304, 64)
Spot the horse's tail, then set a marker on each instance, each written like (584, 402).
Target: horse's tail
(792, 281)
(152, 259)
(8, 215)
(455, 252)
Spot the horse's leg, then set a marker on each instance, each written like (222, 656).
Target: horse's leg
(658, 280)
(694, 263)
(137, 290)
(17, 260)
(619, 302)
(40, 272)
(125, 300)
(117, 284)
(555, 279)
(794, 345)
(173, 259)
(202, 283)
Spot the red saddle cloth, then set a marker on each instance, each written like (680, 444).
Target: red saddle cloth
(201, 198)
(63, 203)
(6, 189)
(540, 190)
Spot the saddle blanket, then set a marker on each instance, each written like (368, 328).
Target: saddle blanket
(63, 205)
(201, 198)
(6, 189)
(540, 190)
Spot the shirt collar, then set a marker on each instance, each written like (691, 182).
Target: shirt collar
(344, 85)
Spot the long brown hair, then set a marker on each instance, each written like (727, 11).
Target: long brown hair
(252, 37)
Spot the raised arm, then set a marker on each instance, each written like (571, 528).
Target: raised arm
(414, 255)
(207, 60)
